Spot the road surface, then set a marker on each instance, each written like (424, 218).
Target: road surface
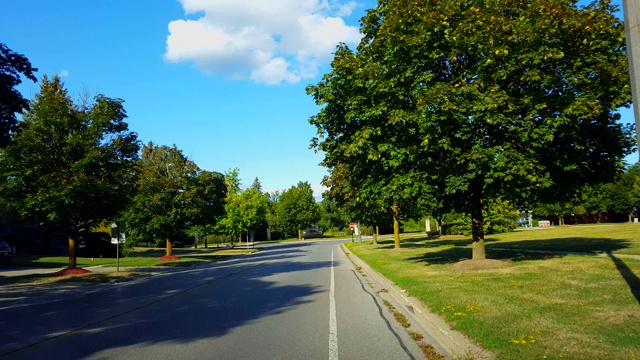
(289, 301)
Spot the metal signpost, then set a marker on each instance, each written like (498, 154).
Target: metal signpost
(631, 10)
(117, 237)
(352, 226)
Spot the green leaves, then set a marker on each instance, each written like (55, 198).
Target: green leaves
(297, 208)
(454, 100)
(245, 210)
(12, 65)
(173, 194)
(69, 164)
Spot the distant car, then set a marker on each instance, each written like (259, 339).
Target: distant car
(6, 252)
(310, 234)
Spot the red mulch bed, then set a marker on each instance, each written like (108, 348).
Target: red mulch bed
(69, 271)
(169, 258)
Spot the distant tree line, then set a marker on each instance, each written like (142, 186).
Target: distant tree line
(469, 108)
(76, 164)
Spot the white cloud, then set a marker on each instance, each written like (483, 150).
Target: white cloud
(64, 73)
(267, 41)
(318, 189)
(346, 9)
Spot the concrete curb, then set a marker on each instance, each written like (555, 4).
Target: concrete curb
(449, 343)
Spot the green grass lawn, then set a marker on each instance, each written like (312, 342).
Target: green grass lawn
(140, 257)
(536, 306)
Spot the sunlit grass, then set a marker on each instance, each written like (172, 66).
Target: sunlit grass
(553, 305)
(91, 278)
(139, 258)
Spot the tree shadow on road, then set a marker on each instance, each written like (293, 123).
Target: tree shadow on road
(181, 307)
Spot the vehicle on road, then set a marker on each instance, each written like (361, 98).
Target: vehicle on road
(312, 233)
(6, 252)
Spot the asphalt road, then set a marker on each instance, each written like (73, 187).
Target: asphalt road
(290, 301)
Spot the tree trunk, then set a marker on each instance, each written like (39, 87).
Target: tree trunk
(72, 253)
(439, 225)
(375, 236)
(300, 232)
(396, 226)
(477, 221)
(169, 247)
(195, 244)
(206, 240)
(630, 217)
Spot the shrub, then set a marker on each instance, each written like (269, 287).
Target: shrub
(499, 218)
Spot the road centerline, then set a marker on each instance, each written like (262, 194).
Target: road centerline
(333, 326)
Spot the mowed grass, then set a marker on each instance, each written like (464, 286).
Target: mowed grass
(140, 257)
(84, 279)
(536, 306)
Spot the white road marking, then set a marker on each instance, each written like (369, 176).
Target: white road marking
(333, 326)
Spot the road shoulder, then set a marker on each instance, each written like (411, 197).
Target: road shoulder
(447, 342)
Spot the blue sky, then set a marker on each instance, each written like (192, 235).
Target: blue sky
(223, 80)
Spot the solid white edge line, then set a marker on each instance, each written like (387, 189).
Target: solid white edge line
(333, 326)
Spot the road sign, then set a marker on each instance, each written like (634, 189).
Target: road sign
(352, 226)
(122, 239)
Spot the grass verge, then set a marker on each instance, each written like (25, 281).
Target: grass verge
(87, 279)
(141, 257)
(538, 306)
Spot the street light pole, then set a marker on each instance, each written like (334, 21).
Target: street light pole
(631, 10)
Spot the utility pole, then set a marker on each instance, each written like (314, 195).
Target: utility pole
(631, 10)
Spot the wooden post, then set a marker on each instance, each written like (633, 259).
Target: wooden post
(169, 247)
(72, 253)
(396, 226)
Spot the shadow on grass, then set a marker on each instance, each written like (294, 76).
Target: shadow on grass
(421, 242)
(511, 251)
(571, 244)
(632, 279)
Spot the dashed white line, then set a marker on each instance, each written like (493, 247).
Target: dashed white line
(333, 326)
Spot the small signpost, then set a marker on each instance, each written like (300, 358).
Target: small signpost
(352, 226)
(117, 237)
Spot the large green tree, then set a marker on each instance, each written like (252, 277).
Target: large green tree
(298, 209)
(489, 99)
(173, 194)
(274, 221)
(69, 165)
(370, 210)
(12, 65)
(245, 210)
(621, 196)
(332, 215)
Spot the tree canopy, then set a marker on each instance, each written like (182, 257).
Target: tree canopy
(245, 210)
(69, 165)
(297, 208)
(173, 194)
(477, 99)
(12, 65)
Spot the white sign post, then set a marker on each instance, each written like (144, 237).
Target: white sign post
(117, 238)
